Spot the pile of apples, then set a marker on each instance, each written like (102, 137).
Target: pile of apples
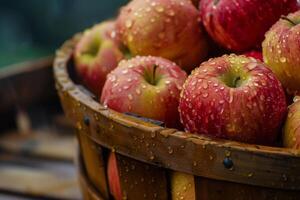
(163, 59)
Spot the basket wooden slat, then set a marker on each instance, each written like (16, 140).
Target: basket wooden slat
(140, 180)
(96, 172)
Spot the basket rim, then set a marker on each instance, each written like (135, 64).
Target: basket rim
(283, 161)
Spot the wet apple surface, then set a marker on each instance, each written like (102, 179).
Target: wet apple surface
(281, 51)
(165, 28)
(233, 97)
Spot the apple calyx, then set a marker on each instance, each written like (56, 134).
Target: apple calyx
(151, 77)
(93, 48)
(232, 79)
(288, 19)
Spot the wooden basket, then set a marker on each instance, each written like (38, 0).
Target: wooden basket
(147, 153)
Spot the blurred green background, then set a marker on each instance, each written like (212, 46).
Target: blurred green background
(31, 29)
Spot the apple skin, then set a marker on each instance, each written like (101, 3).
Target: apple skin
(113, 177)
(291, 131)
(240, 25)
(127, 89)
(182, 186)
(255, 54)
(281, 52)
(165, 28)
(233, 97)
(96, 54)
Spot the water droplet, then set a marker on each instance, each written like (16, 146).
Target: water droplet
(283, 59)
(171, 13)
(167, 82)
(159, 9)
(130, 97)
(128, 23)
(125, 87)
(124, 71)
(170, 150)
(151, 157)
(153, 134)
(138, 91)
(205, 95)
(227, 153)
(130, 38)
(195, 163)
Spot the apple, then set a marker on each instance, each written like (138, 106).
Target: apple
(255, 54)
(233, 97)
(182, 186)
(240, 25)
(281, 51)
(113, 177)
(148, 86)
(96, 54)
(165, 28)
(291, 131)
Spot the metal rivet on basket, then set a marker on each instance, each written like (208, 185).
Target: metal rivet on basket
(86, 120)
(227, 162)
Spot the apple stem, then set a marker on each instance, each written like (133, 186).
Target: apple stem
(216, 2)
(287, 19)
(153, 75)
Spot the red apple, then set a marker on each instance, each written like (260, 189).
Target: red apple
(281, 50)
(148, 86)
(113, 177)
(255, 54)
(233, 97)
(96, 54)
(291, 131)
(241, 24)
(165, 28)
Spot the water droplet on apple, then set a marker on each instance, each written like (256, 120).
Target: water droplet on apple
(124, 71)
(283, 59)
(159, 9)
(138, 91)
(130, 97)
(171, 13)
(205, 95)
(128, 23)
